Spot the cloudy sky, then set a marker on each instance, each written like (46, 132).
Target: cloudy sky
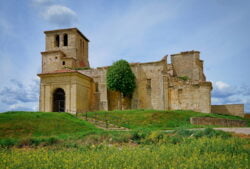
(135, 30)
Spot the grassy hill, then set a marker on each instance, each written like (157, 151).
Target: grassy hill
(41, 127)
(47, 128)
(60, 140)
(153, 119)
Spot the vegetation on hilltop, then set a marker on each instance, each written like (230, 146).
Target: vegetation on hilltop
(153, 119)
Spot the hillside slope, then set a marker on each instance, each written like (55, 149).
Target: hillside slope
(40, 124)
(152, 119)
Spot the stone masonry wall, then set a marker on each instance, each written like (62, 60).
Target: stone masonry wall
(77, 88)
(77, 47)
(229, 109)
(156, 88)
(186, 95)
(101, 92)
(158, 85)
(150, 92)
(69, 50)
(188, 64)
(218, 122)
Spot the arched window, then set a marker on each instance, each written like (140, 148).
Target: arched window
(63, 62)
(65, 40)
(59, 100)
(57, 40)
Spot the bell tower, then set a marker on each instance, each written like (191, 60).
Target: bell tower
(65, 49)
(62, 87)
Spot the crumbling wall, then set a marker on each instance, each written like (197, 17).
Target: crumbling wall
(151, 87)
(186, 95)
(229, 109)
(156, 88)
(158, 85)
(150, 92)
(218, 122)
(188, 64)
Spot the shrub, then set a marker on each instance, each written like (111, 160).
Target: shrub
(52, 140)
(121, 78)
(208, 132)
(140, 134)
(154, 137)
(7, 142)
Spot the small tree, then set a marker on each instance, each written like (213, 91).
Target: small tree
(121, 78)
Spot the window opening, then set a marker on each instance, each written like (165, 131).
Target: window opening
(57, 41)
(148, 83)
(65, 39)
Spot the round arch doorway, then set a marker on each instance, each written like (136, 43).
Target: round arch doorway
(59, 100)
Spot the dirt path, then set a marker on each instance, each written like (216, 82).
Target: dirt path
(103, 125)
(243, 130)
(236, 130)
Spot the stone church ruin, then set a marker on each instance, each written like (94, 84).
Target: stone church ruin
(69, 84)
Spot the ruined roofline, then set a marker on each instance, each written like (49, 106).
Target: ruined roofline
(132, 64)
(68, 29)
(186, 52)
(164, 59)
(145, 63)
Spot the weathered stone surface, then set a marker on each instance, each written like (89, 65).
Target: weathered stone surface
(218, 122)
(72, 55)
(77, 87)
(159, 85)
(158, 88)
(229, 109)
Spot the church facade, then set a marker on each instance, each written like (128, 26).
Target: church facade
(68, 84)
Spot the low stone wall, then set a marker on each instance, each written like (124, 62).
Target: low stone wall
(247, 116)
(229, 109)
(218, 122)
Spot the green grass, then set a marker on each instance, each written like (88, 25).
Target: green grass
(39, 128)
(36, 127)
(153, 119)
(60, 140)
(202, 153)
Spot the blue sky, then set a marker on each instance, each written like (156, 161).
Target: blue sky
(135, 30)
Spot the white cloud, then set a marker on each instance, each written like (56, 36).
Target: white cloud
(222, 90)
(23, 107)
(221, 85)
(59, 15)
(20, 95)
(224, 93)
